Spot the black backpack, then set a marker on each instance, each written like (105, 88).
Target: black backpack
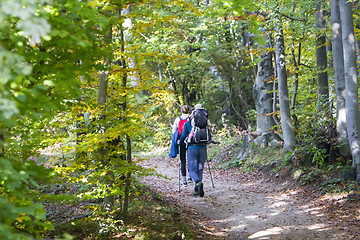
(200, 133)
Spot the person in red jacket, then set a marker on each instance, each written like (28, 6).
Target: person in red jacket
(179, 126)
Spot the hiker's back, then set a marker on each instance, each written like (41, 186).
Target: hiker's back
(200, 133)
(200, 117)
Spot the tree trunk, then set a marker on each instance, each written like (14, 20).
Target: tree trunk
(134, 82)
(338, 65)
(102, 94)
(128, 179)
(262, 91)
(286, 124)
(160, 72)
(296, 75)
(2, 149)
(128, 36)
(321, 61)
(103, 79)
(351, 85)
(296, 64)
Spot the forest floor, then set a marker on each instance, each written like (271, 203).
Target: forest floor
(248, 205)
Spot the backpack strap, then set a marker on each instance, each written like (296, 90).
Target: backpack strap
(184, 118)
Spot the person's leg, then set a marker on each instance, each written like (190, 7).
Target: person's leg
(187, 169)
(201, 162)
(183, 160)
(189, 179)
(192, 155)
(200, 168)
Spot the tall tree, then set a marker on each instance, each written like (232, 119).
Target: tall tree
(351, 85)
(102, 94)
(126, 36)
(338, 65)
(321, 60)
(296, 61)
(286, 123)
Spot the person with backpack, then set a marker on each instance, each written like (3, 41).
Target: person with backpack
(178, 127)
(197, 135)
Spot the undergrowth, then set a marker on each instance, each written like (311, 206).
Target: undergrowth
(150, 217)
(296, 166)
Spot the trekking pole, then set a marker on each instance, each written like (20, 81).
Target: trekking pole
(212, 182)
(179, 177)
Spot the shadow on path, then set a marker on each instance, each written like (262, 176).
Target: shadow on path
(243, 206)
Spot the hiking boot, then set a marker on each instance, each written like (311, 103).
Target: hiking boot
(190, 180)
(201, 189)
(185, 184)
(196, 190)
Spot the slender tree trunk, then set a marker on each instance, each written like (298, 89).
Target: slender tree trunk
(286, 124)
(321, 61)
(2, 149)
(160, 72)
(109, 200)
(338, 65)
(128, 140)
(103, 79)
(351, 85)
(275, 87)
(128, 36)
(296, 64)
(296, 75)
(128, 179)
(173, 84)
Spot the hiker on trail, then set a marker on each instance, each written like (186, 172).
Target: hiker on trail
(178, 126)
(197, 150)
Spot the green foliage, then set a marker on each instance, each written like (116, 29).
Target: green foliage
(180, 52)
(312, 175)
(196, 56)
(176, 45)
(106, 143)
(161, 115)
(326, 178)
(19, 184)
(313, 141)
(40, 45)
(332, 185)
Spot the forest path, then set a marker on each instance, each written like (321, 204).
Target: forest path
(243, 205)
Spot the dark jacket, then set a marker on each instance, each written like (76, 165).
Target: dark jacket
(174, 149)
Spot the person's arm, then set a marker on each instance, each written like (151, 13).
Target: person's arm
(186, 131)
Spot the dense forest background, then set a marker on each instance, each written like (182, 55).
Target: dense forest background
(87, 87)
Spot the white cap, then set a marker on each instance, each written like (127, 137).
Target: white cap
(198, 106)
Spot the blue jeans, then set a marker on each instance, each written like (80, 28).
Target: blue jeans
(196, 161)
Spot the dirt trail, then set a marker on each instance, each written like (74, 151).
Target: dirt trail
(244, 206)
